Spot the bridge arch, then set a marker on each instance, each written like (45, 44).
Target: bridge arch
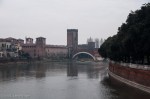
(83, 53)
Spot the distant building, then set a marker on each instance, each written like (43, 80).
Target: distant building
(97, 45)
(5, 45)
(90, 43)
(12, 40)
(89, 40)
(101, 41)
(9, 47)
(20, 41)
(89, 46)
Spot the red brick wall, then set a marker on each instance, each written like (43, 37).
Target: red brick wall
(132, 74)
(69, 39)
(31, 51)
(40, 51)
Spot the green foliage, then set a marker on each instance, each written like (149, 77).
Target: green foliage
(132, 42)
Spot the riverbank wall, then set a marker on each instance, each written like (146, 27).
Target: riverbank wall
(137, 76)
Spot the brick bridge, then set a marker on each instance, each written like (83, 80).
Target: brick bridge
(92, 53)
(74, 49)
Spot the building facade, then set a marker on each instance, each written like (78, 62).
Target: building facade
(5, 45)
(36, 49)
(10, 47)
(40, 49)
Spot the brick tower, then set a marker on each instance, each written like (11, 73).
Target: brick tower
(40, 46)
(72, 41)
(29, 40)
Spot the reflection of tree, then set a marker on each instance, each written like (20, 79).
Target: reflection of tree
(72, 69)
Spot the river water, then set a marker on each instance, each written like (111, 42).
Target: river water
(62, 80)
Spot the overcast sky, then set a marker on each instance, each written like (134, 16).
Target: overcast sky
(52, 18)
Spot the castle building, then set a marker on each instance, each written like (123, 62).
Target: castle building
(35, 49)
(42, 50)
(29, 40)
(39, 48)
(56, 51)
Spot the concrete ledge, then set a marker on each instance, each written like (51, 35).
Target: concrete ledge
(136, 66)
(130, 83)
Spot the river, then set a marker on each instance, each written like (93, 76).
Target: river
(62, 80)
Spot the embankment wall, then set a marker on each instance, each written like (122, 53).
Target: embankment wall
(140, 76)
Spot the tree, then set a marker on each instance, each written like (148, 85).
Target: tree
(132, 42)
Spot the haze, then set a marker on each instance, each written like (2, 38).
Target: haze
(52, 18)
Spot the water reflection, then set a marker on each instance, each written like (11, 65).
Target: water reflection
(40, 71)
(72, 69)
(50, 81)
(28, 70)
(8, 73)
(92, 72)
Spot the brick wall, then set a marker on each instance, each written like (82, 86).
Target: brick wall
(136, 75)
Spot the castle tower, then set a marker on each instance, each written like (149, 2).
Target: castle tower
(40, 46)
(72, 41)
(41, 41)
(29, 40)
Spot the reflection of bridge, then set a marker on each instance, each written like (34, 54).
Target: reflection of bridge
(92, 53)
